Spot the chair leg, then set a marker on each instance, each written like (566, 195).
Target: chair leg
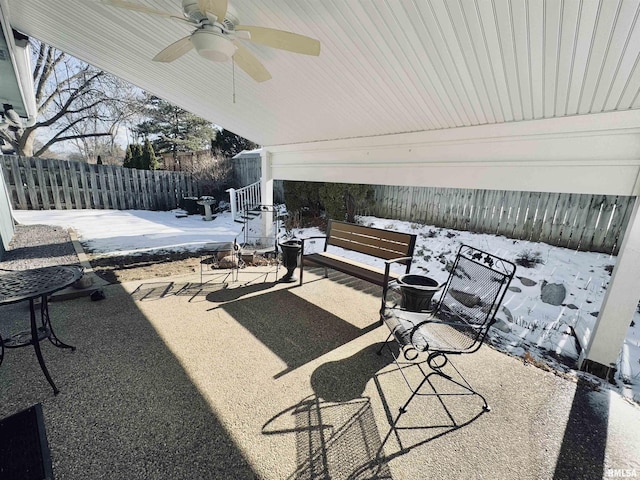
(382, 310)
(301, 268)
(379, 351)
(414, 392)
(436, 362)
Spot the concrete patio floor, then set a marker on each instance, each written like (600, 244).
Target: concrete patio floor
(171, 380)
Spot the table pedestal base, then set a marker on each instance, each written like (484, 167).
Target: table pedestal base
(35, 335)
(36, 283)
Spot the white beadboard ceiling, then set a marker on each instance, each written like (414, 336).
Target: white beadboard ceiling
(385, 67)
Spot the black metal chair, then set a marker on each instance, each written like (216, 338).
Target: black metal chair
(458, 324)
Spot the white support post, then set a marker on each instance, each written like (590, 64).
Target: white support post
(266, 192)
(232, 200)
(7, 227)
(618, 307)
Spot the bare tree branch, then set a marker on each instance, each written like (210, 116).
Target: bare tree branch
(48, 67)
(64, 139)
(72, 97)
(56, 117)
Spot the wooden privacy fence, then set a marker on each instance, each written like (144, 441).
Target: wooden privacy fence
(579, 221)
(248, 169)
(43, 184)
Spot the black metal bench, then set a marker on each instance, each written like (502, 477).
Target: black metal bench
(392, 247)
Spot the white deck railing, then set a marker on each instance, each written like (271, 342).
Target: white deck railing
(244, 198)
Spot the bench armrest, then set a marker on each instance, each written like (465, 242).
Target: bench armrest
(387, 267)
(316, 237)
(385, 284)
(311, 238)
(393, 260)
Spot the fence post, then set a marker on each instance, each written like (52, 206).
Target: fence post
(232, 200)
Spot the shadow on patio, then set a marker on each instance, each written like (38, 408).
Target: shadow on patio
(292, 328)
(264, 380)
(127, 408)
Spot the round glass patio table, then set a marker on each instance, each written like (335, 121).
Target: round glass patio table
(29, 285)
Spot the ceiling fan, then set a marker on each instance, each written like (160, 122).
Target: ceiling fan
(218, 33)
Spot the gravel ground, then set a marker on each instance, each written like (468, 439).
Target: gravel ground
(33, 246)
(36, 246)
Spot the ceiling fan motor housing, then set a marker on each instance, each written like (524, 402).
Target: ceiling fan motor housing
(213, 45)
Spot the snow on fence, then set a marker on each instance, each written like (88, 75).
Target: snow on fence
(43, 184)
(578, 221)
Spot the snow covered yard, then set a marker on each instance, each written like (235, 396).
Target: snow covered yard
(555, 293)
(555, 290)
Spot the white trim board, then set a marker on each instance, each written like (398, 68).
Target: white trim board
(583, 154)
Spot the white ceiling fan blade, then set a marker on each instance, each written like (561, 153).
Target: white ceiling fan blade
(283, 40)
(138, 8)
(217, 7)
(250, 64)
(175, 50)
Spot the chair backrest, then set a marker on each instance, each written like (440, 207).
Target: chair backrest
(474, 291)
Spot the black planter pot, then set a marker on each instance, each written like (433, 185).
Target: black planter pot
(417, 291)
(190, 205)
(290, 254)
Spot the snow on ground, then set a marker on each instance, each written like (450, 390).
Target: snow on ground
(526, 325)
(130, 232)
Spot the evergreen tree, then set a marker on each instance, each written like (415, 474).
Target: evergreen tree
(174, 129)
(137, 161)
(128, 157)
(339, 201)
(148, 157)
(229, 144)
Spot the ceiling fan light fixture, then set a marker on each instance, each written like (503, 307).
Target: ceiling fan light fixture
(213, 45)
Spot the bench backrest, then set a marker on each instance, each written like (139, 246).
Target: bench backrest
(376, 242)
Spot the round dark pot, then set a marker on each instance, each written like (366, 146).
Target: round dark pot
(417, 291)
(290, 254)
(190, 205)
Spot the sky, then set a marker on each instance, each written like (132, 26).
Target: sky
(526, 325)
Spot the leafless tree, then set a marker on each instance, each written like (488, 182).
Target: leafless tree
(212, 170)
(75, 101)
